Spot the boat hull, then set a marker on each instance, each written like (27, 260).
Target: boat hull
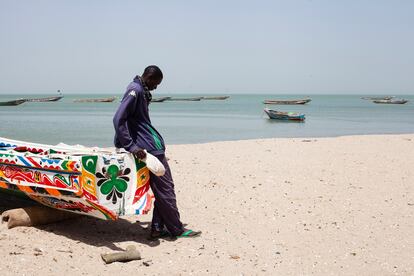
(285, 116)
(159, 100)
(102, 100)
(186, 99)
(378, 98)
(87, 181)
(390, 101)
(286, 102)
(12, 103)
(215, 97)
(47, 99)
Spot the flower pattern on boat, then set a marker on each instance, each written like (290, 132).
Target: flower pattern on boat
(113, 182)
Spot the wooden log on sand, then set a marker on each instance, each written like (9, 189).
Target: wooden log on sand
(32, 216)
(130, 254)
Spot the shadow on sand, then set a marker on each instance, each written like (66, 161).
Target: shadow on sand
(100, 233)
(97, 232)
(90, 230)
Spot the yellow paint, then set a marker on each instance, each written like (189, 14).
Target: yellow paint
(88, 182)
(142, 177)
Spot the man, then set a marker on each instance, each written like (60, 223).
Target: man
(134, 132)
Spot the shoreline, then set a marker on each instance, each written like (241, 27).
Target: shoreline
(289, 206)
(287, 138)
(238, 118)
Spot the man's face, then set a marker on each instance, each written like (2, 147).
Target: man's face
(153, 83)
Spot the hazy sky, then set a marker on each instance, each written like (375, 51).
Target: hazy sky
(278, 47)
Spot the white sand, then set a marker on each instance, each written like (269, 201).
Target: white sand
(340, 206)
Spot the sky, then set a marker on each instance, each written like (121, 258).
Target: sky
(217, 47)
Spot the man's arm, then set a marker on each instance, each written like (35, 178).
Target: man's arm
(120, 121)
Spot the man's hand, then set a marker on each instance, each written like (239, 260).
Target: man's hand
(140, 154)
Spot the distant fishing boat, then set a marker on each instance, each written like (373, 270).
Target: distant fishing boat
(377, 98)
(160, 99)
(302, 101)
(391, 101)
(185, 99)
(46, 99)
(278, 115)
(13, 102)
(216, 97)
(96, 100)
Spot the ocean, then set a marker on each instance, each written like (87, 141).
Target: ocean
(237, 118)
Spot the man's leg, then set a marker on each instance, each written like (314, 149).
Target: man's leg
(165, 205)
(157, 223)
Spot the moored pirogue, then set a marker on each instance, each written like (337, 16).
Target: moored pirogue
(390, 101)
(291, 102)
(215, 97)
(46, 99)
(278, 115)
(13, 102)
(160, 99)
(95, 100)
(90, 181)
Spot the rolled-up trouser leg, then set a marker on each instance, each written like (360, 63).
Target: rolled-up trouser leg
(165, 205)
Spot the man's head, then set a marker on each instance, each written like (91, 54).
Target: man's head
(152, 77)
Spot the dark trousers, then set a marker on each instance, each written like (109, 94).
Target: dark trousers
(165, 211)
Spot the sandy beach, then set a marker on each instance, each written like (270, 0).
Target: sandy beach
(298, 206)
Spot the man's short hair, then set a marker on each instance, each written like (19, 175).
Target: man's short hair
(153, 71)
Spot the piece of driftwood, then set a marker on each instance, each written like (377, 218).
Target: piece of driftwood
(131, 254)
(32, 216)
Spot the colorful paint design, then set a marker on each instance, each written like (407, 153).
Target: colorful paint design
(142, 180)
(113, 182)
(18, 174)
(89, 164)
(12, 157)
(93, 182)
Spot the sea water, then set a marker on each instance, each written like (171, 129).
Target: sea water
(239, 117)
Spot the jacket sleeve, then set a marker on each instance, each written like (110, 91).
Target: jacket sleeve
(120, 121)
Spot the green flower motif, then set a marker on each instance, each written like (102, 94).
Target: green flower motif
(112, 182)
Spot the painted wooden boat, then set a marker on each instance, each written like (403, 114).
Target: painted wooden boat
(96, 182)
(46, 99)
(13, 102)
(96, 100)
(278, 115)
(160, 99)
(291, 102)
(215, 97)
(391, 101)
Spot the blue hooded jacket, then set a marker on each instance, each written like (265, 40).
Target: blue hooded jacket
(133, 128)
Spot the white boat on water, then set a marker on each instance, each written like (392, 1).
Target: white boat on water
(390, 101)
